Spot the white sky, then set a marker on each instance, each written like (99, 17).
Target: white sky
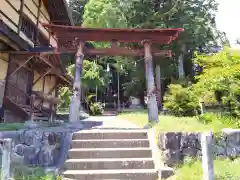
(228, 19)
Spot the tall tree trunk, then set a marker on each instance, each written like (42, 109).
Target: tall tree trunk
(181, 62)
(159, 85)
(180, 66)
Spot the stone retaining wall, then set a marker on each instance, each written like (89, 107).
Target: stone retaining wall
(35, 147)
(177, 145)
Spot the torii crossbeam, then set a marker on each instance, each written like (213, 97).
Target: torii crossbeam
(72, 39)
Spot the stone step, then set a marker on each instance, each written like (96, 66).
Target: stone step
(94, 153)
(110, 134)
(126, 174)
(97, 164)
(110, 143)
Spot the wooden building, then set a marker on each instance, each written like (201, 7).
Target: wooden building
(29, 81)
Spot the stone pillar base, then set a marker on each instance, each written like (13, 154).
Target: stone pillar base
(75, 125)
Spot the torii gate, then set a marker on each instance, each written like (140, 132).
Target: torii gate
(72, 39)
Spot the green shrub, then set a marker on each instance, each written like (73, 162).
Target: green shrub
(207, 118)
(222, 118)
(209, 98)
(181, 101)
(96, 109)
(11, 126)
(27, 173)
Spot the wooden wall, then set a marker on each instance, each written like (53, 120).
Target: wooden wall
(3, 73)
(9, 12)
(39, 85)
(44, 84)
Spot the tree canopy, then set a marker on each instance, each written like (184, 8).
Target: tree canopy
(197, 17)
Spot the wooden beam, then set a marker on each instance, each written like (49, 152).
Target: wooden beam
(45, 60)
(20, 16)
(124, 52)
(161, 36)
(22, 65)
(52, 89)
(43, 75)
(19, 63)
(43, 85)
(37, 24)
(101, 52)
(11, 35)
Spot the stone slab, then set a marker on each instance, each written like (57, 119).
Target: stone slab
(105, 164)
(110, 143)
(110, 153)
(112, 174)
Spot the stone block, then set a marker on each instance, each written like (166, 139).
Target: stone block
(170, 140)
(219, 150)
(31, 155)
(46, 157)
(19, 149)
(233, 151)
(192, 140)
(166, 172)
(33, 137)
(50, 138)
(189, 151)
(171, 157)
(232, 136)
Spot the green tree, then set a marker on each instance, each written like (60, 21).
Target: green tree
(93, 75)
(77, 7)
(221, 73)
(103, 13)
(197, 17)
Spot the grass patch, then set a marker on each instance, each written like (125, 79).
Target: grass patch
(175, 124)
(191, 169)
(11, 126)
(26, 173)
(223, 170)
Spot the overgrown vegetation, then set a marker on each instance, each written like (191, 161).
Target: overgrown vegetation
(93, 76)
(11, 126)
(197, 19)
(178, 124)
(96, 109)
(26, 173)
(224, 170)
(227, 120)
(220, 76)
(181, 101)
(217, 84)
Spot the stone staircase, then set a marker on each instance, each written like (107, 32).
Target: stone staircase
(103, 154)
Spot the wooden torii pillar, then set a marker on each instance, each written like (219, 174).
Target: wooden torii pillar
(74, 114)
(151, 89)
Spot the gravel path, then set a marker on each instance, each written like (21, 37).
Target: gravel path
(109, 122)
